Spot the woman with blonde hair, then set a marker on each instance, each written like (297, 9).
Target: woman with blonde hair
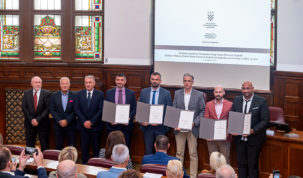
(68, 153)
(216, 160)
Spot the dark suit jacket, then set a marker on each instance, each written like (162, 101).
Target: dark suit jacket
(93, 113)
(42, 112)
(159, 158)
(130, 98)
(20, 174)
(56, 108)
(259, 118)
(210, 111)
(164, 98)
(196, 104)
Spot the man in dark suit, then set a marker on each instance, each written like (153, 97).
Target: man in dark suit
(122, 95)
(154, 95)
(6, 163)
(160, 157)
(249, 146)
(62, 110)
(88, 107)
(35, 107)
(189, 98)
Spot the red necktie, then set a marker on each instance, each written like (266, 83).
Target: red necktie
(35, 101)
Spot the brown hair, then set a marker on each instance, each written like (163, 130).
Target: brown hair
(131, 173)
(68, 153)
(114, 138)
(5, 156)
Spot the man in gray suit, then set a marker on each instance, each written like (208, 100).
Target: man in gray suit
(189, 99)
(154, 95)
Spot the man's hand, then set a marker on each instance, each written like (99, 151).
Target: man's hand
(177, 129)
(234, 134)
(38, 157)
(87, 124)
(63, 123)
(35, 122)
(113, 123)
(144, 124)
(252, 131)
(154, 124)
(22, 160)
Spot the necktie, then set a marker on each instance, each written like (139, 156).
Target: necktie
(245, 108)
(120, 99)
(154, 97)
(88, 99)
(35, 101)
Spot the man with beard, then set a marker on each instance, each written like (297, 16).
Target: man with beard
(122, 95)
(154, 95)
(219, 109)
(249, 146)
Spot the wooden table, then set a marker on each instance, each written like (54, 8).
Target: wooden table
(51, 165)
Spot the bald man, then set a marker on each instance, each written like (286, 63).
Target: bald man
(35, 107)
(219, 109)
(67, 169)
(249, 146)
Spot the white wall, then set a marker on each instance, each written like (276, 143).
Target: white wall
(128, 32)
(290, 36)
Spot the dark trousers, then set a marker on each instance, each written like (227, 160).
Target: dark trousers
(88, 136)
(150, 134)
(61, 133)
(122, 128)
(31, 133)
(248, 159)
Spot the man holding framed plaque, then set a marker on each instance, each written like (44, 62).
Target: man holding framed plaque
(122, 95)
(218, 109)
(249, 146)
(189, 99)
(154, 95)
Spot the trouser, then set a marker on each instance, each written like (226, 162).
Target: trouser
(61, 132)
(88, 136)
(181, 138)
(248, 159)
(220, 146)
(31, 133)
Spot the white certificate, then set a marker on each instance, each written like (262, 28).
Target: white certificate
(246, 127)
(122, 114)
(220, 130)
(156, 114)
(186, 120)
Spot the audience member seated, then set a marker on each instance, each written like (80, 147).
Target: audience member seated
(160, 157)
(131, 173)
(114, 138)
(68, 153)
(216, 160)
(225, 171)
(67, 169)
(174, 169)
(6, 164)
(120, 155)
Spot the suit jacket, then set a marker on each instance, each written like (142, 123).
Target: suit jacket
(20, 174)
(164, 98)
(56, 109)
(93, 113)
(42, 112)
(159, 158)
(129, 99)
(259, 118)
(210, 111)
(111, 173)
(196, 103)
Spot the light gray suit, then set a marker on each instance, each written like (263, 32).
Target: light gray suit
(197, 104)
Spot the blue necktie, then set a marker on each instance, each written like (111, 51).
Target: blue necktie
(88, 99)
(154, 97)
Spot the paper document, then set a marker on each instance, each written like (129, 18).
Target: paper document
(156, 114)
(186, 120)
(220, 130)
(246, 128)
(122, 114)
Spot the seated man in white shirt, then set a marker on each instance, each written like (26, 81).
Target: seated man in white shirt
(120, 156)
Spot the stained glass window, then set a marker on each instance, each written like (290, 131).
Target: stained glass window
(9, 36)
(94, 5)
(47, 4)
(9, 4)
(47, 34)
(88, 37)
